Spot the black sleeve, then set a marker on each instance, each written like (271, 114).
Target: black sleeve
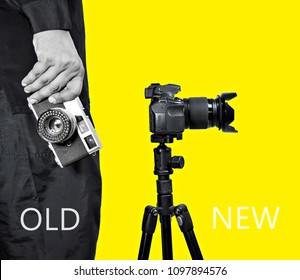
(44, 14)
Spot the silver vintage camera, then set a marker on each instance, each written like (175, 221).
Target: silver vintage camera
(67, 129)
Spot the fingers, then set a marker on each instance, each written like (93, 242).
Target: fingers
(56, 85)
(38, 69)
(70, 92)
(38, 79)
(43, 80)
(54, 79)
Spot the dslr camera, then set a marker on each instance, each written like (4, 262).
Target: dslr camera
(67, 129)
(170, 116)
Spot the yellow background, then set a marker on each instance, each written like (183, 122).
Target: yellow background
(207, 47)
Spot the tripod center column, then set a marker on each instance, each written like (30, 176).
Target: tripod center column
(163, 168)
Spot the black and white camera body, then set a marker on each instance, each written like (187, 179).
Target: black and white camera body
(67, 129)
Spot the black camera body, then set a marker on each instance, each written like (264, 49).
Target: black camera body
(67, 129)
(167, 116)
(170, 116)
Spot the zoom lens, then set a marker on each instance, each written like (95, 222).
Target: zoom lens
(56, 125)
(202, 113)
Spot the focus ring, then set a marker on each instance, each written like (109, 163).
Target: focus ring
(197, 112)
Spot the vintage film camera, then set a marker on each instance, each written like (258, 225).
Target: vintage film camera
(67, 129)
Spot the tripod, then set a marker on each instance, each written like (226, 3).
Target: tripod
(164, 164)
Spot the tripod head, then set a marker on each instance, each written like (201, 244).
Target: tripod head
(164, 162)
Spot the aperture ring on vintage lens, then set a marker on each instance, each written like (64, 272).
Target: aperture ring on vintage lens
(56, 125)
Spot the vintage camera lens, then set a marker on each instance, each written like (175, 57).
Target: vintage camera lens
(56, 125)
(202, 113)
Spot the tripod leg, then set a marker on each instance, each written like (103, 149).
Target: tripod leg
(186, 225)
(148, 228)
(166, 235)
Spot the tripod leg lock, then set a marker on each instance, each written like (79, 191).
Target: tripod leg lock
(183, 218)
(186, 225)
(149, 220)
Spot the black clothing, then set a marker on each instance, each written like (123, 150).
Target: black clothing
(19, 19)
(47, 14)
(29, 176)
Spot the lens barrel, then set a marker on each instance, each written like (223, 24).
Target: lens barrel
(56, 125)
(196, 113)
(202, 113)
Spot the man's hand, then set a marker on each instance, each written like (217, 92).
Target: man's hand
(58, 74)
